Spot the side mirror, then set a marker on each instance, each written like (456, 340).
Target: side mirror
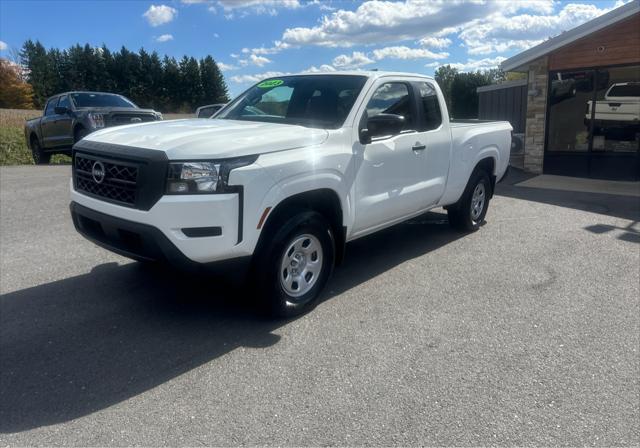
(365, 137)
(60, 110)
(384, 124)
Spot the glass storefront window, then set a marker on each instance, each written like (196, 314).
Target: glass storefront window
(610, 123)
(616, 118)
(569, 93)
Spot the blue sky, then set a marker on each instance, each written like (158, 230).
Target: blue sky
(252, 39)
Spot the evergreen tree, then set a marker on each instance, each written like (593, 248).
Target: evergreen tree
(39, 71)
(144, 77)
(171, 84)
(213, 86)
(190, 84)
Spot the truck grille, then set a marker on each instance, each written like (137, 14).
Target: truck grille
(120, 119)
(112, 181)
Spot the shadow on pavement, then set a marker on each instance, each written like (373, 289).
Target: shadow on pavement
(626, 207)
(75, 346)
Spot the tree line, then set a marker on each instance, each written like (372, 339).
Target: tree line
(164, 84)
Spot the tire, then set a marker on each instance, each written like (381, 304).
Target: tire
(39, 156)
(294, 265)
(79, 134)
(469, 212)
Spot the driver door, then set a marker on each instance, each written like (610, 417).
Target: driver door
(62, 125)
(390, 177)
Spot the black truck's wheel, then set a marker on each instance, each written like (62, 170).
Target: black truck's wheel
(39, 156)
(79, 134)
(469, 212)
(294, 265)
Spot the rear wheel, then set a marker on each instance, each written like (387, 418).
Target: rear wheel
(295, 264)
(469, 212)
(39, 156)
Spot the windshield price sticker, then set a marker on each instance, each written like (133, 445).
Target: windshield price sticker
(270, 83)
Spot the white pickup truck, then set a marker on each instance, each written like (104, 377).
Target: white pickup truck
(620, 109)
(284, 176)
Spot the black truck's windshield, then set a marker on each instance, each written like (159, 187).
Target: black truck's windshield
(87, 99)
(322, 101)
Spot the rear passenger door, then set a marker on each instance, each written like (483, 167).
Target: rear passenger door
(435, 135)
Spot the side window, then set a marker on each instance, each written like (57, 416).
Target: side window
(432, 118)
(51, 105)
(392, 98)
(206, 112)
(64, 102)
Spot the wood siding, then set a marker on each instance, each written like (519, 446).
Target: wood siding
(617, 44)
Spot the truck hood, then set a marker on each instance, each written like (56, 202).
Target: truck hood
(205, 139)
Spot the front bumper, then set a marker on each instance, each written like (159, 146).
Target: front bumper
(141, 242)
(201, 228)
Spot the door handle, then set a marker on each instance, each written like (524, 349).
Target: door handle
(419, 147)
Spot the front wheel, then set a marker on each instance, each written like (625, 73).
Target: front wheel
(469, 212)
(295, 264)
(79, 134)
(39, 156)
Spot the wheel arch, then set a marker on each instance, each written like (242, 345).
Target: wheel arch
(77, 128)
(325, 201)
(33, 135)
(488, 164)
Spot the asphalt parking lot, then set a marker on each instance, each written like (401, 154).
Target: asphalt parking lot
(526, 332)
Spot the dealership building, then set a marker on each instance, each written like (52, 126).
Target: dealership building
(578, 108)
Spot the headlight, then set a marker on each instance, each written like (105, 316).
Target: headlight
(200, 177)
(97, 120)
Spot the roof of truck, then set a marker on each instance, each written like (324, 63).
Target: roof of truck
(367, 73)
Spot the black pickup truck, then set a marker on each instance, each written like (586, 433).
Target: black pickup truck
(69, 116)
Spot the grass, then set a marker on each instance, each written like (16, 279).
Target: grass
(13, 146)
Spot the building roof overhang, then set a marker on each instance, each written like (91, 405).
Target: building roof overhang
(521, 61)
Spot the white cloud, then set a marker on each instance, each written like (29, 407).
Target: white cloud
(498, 32)
(277, 47)
(164, 38)
(324, 68)
(216, 35)
(401, 52)
(435, 42)
(3, 45)
(243, 79)
(375, 22)
(159, 15)
(357, 59)
(226, 67)
(483, 26)
(473, 65)
(246, 7)
(259, 61)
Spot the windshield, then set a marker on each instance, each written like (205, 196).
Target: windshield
(322, 101)
(100, 100)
